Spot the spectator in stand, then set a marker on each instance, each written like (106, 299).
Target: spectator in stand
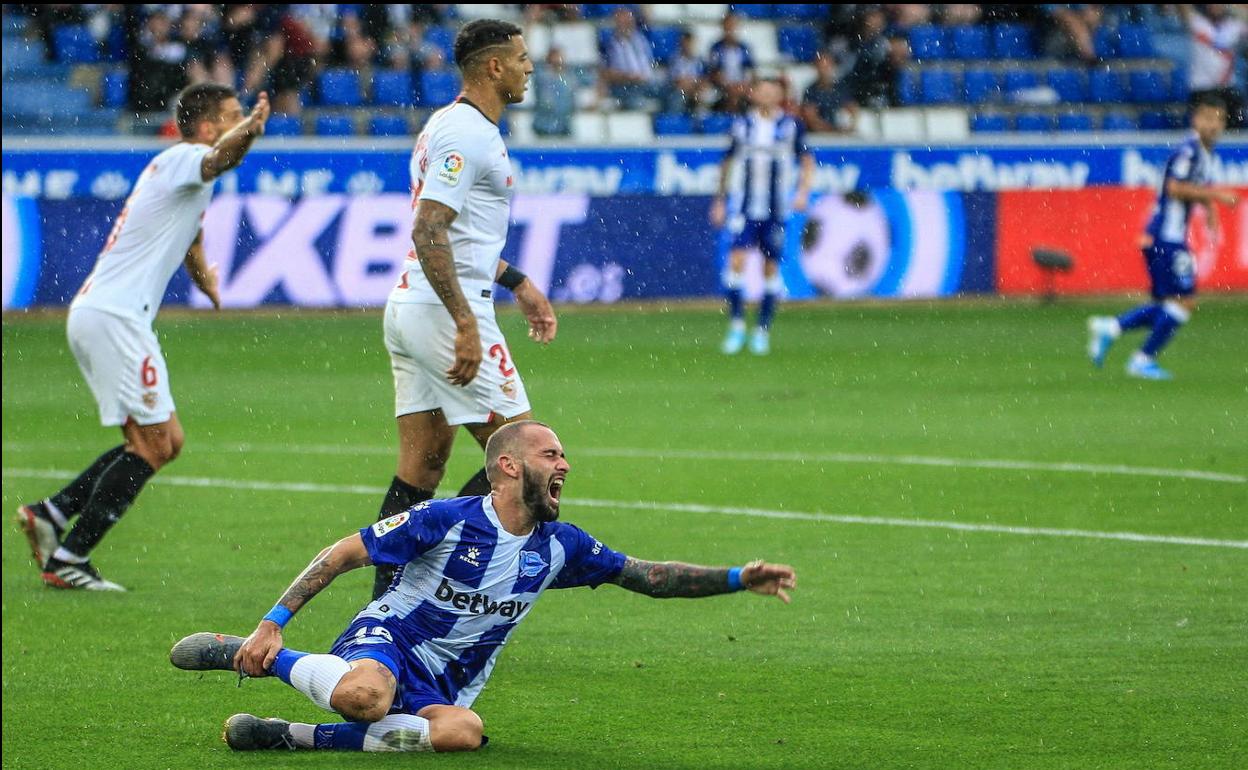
(355, 49)
(872, 79)
(906, 16)
(205, 60)
(1217, 40)
(551, 13)
(686, 74)
(48, 16)
(628, 72)
(288, 60)
(409, 48)
(961, 14)
(242, 26)
(554, 97)
(732, 68)
(160, 71)
(826, 106)
(1074, 31)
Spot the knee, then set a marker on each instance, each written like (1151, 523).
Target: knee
(461, 733)
(176, 440)
(361, 702)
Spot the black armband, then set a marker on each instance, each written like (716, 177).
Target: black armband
(511, 278)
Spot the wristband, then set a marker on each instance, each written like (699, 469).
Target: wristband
(734, 579)
(279, 615)
(511, 278)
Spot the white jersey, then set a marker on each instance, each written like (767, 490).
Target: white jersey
(151, 236)
(460, 161)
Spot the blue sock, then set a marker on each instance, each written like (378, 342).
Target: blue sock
(1163, 329)
(1142, 317)
(732, 290)
(286, 659)
(767, 311)
(343, 736)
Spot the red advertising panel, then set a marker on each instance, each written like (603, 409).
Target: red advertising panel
(1100, 228)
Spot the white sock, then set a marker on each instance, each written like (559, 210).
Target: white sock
(732, 280)
(316, 676)
(57, 514)
(737, 325)
(399, 732)
(69, 557)
(302, 734)
(774, 285)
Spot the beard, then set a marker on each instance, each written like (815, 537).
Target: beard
(536, 496)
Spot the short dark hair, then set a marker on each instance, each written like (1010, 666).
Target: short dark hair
(1214, 100)
(507, 440)
(201, 102)
(477, 36)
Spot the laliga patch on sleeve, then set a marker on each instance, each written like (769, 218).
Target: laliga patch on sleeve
(391, 524)
(451, 169)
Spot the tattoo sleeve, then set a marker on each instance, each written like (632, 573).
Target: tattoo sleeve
(668, 579)
(433, 248)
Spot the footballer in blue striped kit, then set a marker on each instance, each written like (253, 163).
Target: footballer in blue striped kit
(406, 671)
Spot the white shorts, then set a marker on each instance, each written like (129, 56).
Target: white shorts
(421, 341)
(122, 363)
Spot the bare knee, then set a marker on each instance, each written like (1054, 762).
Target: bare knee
(361, 701)
(458, 730)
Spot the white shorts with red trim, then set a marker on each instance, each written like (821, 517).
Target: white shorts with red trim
(120, 359)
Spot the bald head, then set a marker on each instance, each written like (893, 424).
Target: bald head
(509, 440)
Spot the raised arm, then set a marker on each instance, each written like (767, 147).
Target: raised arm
(204, 276)
(431, 236)
(261, 648)
(1198, 193)
(230, 149)
(670, 579)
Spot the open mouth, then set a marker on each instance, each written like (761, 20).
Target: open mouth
(555, 490)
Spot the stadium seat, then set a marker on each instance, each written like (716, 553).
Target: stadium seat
(710, 12)
(980, 85)
(630, 127)
(579, 42)
(1148, 86)
(1020, 80)
(760, 36)
(672, 124)
(75, 45)
(388, 125)
(807, 11)
(1135, 42)
(438, 88)
(946, 124)
(1074, 121)
(589, 128)
(393, 88)
(115, 88)
(283, 125)
(335, 125)
(1180, 89)
(902, 125)
(715, 123)
(1105, 43)
(1105, 87)
(1119, 121)
(938, 86)
(1012, 41)
(969, 42)
(520, 126)
(1070, 84)
(1160, 120)
(800, 42)
(444, 38)
(928, 43)
(752, 10)
(340, 88)
(908, 87)
(1033, 122)
(800, 77)
(989, 124)
(665, 42)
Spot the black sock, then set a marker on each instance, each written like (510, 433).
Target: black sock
(399, 498)
(478, 485)
(116, 489)
(73, 498)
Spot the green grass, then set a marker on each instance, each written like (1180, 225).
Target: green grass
(904, 647)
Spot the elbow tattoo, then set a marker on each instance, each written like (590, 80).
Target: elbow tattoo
(669, 579)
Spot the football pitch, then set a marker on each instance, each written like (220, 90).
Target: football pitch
(1005, 558)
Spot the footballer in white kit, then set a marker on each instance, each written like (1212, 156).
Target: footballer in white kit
(110, 330)
(451, 364)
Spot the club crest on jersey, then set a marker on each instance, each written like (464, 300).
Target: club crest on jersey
(509, 389)
(391, 524)
(531, 564)
(149, 399)
(452, 167)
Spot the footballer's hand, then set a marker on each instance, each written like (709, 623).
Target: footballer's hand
(259, 115)
(1227, 197)
(467, 355)
(538, 312)
(769, 579)
(259, 650)
(212, 283)
(718, 211)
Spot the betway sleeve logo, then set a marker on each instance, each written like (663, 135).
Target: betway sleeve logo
(391, 524)
(451, 169)
(478, 604)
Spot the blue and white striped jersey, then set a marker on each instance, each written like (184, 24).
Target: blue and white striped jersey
(1190, 163)
(764, 155)
(466, 583)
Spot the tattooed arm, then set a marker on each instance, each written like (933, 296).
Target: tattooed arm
(668, 579)
(433, 248)
(261, 648)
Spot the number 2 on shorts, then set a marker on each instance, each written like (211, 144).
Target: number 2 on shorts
(500, 352)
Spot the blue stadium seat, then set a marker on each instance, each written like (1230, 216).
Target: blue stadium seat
(115, 88)
(1070, 84)
(1148, 86)
(752, 10)
(807, 11)
(444, 38)
(1160, 120)
(335, 125)
(672, 124)
(388, 125)
(340, 88)
(969, 42)
(981, 85)
(1105, 43)
(799, 41)
(1119, 121)
(1019, 80)
(1180, 89)
(938, 86)
(283, 125)
(1012, 41)
(716, 123)
(438, 89)
(908, 87)
(74, 45)
(1033, 121)
(393, 88)
(1135, 42)
(1105, 86)
(989, 124)
(1074, 121)
(666, 42)
(928, 43)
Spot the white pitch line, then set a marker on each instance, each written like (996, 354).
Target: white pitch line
(877, 521)
(844, 458)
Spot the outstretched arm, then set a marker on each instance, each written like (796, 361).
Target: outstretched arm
(230, 149)
(670, 579)
(260, 649)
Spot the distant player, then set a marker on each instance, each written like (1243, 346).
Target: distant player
(451, 364)
(110, 330)
(766, 160)
(1171, 267)
(406, 671)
